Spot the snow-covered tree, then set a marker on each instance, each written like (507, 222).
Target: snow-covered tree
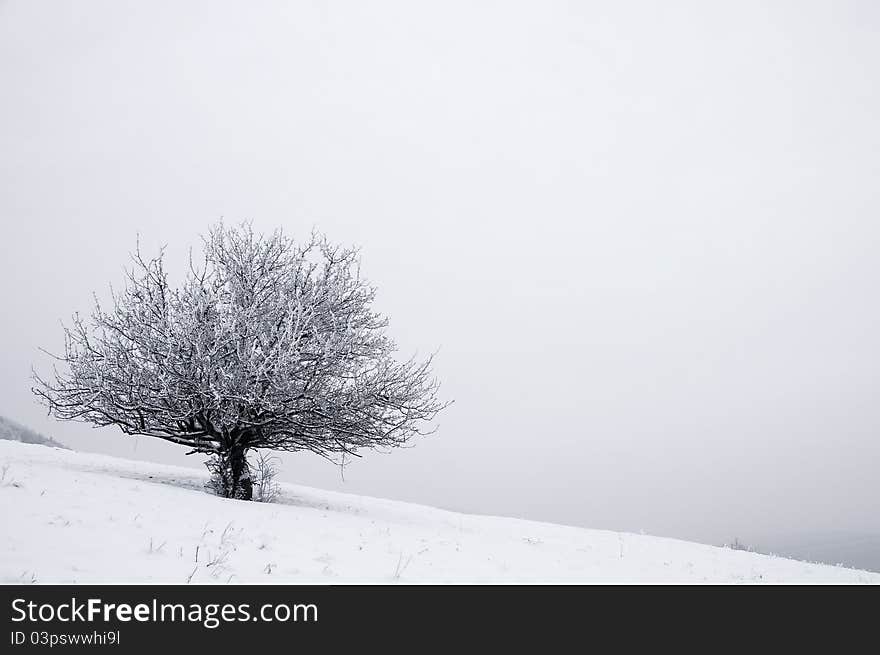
(267, 344)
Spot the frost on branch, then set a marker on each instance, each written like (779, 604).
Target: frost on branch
(268, 343)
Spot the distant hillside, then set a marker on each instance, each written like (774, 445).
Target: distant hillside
(12, 431)
(852, 549)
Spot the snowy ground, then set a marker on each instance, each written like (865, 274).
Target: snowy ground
(76, 517)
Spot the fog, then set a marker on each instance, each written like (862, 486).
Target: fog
(643, 236)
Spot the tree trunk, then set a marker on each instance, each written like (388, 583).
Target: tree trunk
(230, 474)
(242, 488)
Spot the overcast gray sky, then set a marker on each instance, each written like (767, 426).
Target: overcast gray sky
(643, 235)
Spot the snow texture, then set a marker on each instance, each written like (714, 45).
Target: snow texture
(80, 518)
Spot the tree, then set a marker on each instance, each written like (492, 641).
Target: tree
(268, 344)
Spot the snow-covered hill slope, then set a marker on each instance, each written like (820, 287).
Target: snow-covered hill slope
(78, 517)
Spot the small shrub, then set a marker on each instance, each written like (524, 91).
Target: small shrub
(738, 545)
(265, 469)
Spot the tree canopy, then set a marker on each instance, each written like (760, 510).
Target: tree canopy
(266, 343)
